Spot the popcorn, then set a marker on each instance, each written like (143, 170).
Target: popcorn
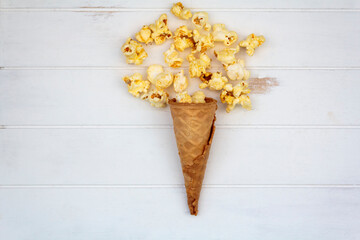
(200, 19)
(252, 42)
(157, 98)
(136, 85)
(215, 81)
(134, 52)
(199, 65)
(237, 71)
(172, 58)
(227, 55)
(236, 95)
(199, 42)
(183, 97)
(181, 12)
(144, 35)
(221, 34)
(160, 30)
(164, 80)
(153, 71)
(157, 32)
(198, 97)
(183, 38)
(180, 82)
(202, 42)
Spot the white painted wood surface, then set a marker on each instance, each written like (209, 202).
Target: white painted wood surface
(99, 97)
(159, 213)
(70, 165)
(208, 4)
(297, 39)
(238, 156)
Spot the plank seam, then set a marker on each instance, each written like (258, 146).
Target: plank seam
(145, 67)
(117, 9)
(61, 186)
(219, 126)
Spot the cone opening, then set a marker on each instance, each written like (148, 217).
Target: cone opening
(207, 102)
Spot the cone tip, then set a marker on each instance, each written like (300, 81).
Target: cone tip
(193, 210)
(193, 206)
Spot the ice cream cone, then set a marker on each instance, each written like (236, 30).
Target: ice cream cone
(194, 129)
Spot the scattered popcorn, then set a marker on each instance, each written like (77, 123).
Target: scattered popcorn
(172, 58)
(134, 52)
(160, 31)
(180, 82)
(199, 65)
(237, 71)
(199, 42)
(200, 19)
(164, 80)
(144, 35)
(205, 78)
(252, 42)
(136, 85)
(215, 81)
(202, 42)
(153, 71)
(183, 38)
(236, 95)
(157, 98)
(181, 12)
(221, 34)
(198, 97)
(227, 55)
(183, 97)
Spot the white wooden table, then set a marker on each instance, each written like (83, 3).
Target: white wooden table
(70, 165)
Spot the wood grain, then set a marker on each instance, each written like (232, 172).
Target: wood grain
(99, 97)
(149, 156)
(294, 39)
(208, 4)
(59, 214)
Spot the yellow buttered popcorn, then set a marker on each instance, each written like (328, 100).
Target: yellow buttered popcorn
(144, 35)
(159, 31)
(157, 98)
(180, 82)
(164, 80)
(202, 42)
(252, 42)
(183, 38)
(215, 81)
(172, 58)
(200, 20)
(183, 97)
(236, 95)
(153, 71)
(227, 55)
(136, 85)
(180, 11)
(200, 38)
(198, 97)
(221, 34)
(199, 65)
(237, 70)
(134, 52)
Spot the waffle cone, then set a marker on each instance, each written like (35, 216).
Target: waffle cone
(194, 129)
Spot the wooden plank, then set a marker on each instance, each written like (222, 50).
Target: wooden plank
(280, 214)
(95, 38)
(208, 4)
(150, 156)
(99, 97)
